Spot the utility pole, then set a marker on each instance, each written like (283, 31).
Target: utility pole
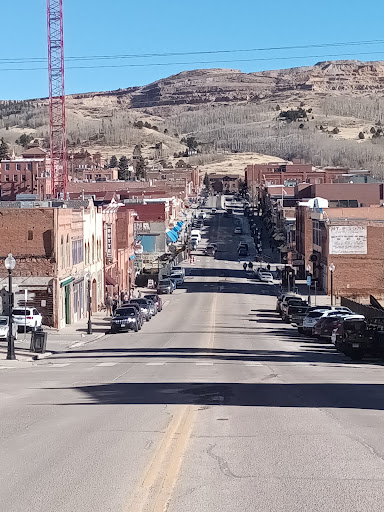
(58, 143)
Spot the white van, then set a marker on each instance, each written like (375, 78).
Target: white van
(196, 233)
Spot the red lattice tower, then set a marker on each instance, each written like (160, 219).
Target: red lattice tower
(57, 98)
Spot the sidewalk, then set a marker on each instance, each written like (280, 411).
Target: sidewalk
(60, 340)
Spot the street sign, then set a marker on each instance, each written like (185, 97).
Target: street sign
(309, 280)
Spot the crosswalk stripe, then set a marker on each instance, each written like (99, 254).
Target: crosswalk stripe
(155, 364)
(204, 364)
(253, 364)
(106, 364)
(59, 365)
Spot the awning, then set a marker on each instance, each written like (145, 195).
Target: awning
(132, 257)
(172, 235)
(180, 223)
(110, 281)
(67, 281)
(177, 228)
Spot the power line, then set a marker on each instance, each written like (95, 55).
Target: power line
(151, 64)
(20, 60)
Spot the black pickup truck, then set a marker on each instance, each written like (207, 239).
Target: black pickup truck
(296, 314)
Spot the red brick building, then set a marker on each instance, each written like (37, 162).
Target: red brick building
(350, 238)
(29, 174)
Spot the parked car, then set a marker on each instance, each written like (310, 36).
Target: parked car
(179, 269)
(210, 250)
(310, 320)
(352, 337)
(266, 277)
(178, 278)
(165, 286)
(138, 309)
(213, 211)
(27, 316)
(156, 299)
(280, 299)
(152, 307)
(324, 327)
(125, 319)
(295, 301)
(4, 328)
(238, 231)
(145, 308)
(294, 310)
(285, 300)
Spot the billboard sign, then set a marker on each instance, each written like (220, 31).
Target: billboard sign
(348, 240)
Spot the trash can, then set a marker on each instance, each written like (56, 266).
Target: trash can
(38, 341)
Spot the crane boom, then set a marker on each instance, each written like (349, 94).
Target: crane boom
(57, 99)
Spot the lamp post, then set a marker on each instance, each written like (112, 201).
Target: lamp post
(331, 269)
(10, 264)
(89, 302)
(309, 279)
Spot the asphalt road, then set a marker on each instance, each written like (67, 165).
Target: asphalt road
(215, 406)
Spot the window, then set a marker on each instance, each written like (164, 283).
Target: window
(18, 167)
(93, 248)
(24, 178)
(62, 251)
(316, 232)
(7, 167)
(15, 178)
(30, 234)
(29, 167)
(7, 177)
(68, 253)
(77, 251)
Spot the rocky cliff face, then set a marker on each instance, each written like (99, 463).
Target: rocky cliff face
(199, 87)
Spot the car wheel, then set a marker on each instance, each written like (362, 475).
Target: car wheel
(300, 330)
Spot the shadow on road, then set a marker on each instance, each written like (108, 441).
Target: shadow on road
(332, 395)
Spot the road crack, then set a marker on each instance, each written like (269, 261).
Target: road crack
(223, 464)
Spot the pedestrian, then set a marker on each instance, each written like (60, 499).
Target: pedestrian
(108, 304)
(139, 294)
(244, 266)
(250, 265)
(126, 296)
(114, 306)
(268, 267)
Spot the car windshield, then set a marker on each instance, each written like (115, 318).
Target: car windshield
(354, 326)
(315, 314)
(3, 321)
(125, 312)
(165, 282)
(140, 301)
(295, 303)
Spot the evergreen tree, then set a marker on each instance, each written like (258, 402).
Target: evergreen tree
(113, 162)
(206, 181)
(3, 150)
(124, 173)
(140, 168)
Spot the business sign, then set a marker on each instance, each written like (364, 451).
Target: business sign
(348, 240)
(142, 227)
(109, 241)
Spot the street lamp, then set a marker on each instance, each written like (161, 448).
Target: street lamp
(89, 326)
(331, 269)
(309, 268)
(10, 264)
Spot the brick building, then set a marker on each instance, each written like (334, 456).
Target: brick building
(28, 174)
(54, 251)
(350, 238)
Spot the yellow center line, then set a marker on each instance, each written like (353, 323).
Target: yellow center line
(155, 488)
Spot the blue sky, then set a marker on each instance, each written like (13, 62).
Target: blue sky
(127, 27)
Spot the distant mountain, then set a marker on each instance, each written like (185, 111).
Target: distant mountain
(206, 86)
